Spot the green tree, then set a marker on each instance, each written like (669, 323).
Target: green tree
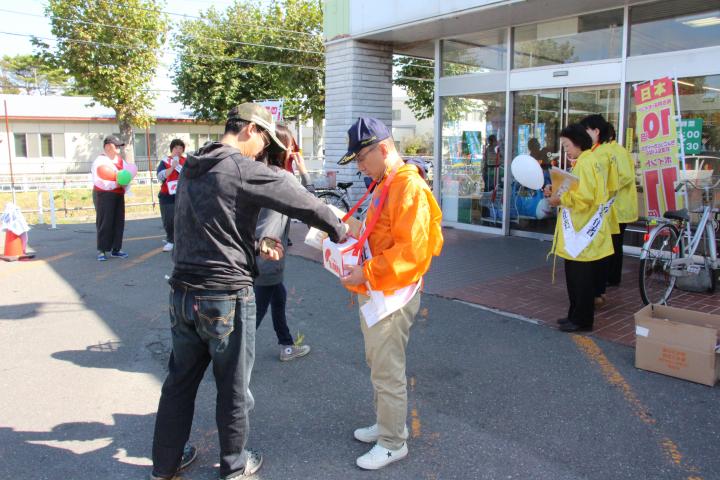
(112, 50)
(416, 75)
(32, 74)
(544, 52)
(252, 51)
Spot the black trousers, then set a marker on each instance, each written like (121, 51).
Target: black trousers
(274, 296)
(616, 261)
(109, 220)
(580, 281)
(602, 271)
(167, 213)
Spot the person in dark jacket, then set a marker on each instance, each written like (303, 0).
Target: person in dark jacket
(212, 306)
(168, 172)
(269, 288)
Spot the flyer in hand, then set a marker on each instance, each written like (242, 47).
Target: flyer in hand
(562, 181)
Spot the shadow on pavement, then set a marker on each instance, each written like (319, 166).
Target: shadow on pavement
(73, 450)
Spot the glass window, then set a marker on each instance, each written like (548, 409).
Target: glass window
(46, 145)
(595, 36)
(700, 103)
(395, 114)
(476, 53)
(684, 24)
(21, 148)
(194, 142)
(473, 136)
(141, 150)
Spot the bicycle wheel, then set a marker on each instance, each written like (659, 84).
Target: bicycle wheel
(334, 199)
(656, 282)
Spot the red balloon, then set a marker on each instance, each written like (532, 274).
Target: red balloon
(107, 172)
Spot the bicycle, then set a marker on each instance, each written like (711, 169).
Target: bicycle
(340, 198)
(670, 248)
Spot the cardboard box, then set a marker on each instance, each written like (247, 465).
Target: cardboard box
(336, 256)
(677, 342)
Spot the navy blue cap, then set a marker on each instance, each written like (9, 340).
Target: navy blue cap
(363, 133)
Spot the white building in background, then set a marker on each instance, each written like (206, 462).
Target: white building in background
(405, 126)
(56, 134)
(510, 74)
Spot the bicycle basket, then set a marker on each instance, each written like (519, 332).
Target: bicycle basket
(696, 190)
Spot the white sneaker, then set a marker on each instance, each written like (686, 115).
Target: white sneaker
(168, 247)
(370, 434)
(379, 457)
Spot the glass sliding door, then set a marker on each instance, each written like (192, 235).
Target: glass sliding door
(473, 167)
(537, 121)
(538, 118)
(582, 102)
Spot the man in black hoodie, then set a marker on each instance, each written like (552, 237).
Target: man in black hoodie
(212, 308)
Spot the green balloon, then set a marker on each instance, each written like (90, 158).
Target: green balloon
(124, 177)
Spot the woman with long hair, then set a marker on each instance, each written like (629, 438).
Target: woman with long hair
(269, 288)
(582, 232)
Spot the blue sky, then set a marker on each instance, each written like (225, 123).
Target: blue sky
(26, 24)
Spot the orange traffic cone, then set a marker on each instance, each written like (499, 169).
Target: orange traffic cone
(13, 248)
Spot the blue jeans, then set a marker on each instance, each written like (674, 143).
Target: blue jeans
(207, 325)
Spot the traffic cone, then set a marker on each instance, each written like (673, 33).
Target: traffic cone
(13, 248)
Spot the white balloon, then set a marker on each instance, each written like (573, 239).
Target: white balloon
(527, 171)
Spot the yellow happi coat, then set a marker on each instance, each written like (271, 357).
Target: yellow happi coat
(583, 203)
(607, 158)
(626, 200)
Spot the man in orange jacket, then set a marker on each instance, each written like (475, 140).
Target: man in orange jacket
(401, 244)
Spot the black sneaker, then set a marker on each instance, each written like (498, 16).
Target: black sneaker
(252, 465)
(189, 455)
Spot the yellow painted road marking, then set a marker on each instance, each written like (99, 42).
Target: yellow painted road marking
(414, 415)
(593, 352)
(132, 263)
(142, 258)
(150, 237)
(415, 423)
(612, 376)
(22, 266)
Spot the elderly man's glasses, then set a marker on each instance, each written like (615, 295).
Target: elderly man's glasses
(361, 156)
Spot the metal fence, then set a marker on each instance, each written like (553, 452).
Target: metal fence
(76, 176)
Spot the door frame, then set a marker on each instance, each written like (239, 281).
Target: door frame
(564, 115)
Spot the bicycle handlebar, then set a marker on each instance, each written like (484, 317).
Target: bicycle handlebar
(686, 182)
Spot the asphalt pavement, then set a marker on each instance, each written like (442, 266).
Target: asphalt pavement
(85, 347)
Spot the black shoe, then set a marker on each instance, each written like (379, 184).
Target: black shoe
(573, 327)
(252, 464)
(189, 455)
(613, 285)
(562, 321)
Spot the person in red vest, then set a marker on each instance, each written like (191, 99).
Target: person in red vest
(109, 199)
(168, 172)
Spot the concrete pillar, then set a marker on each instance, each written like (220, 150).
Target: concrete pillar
(358, 82)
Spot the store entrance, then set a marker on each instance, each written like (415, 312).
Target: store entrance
(538, 118)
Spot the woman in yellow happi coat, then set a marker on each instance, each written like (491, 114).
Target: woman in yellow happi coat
(598, 128)
(582, 232)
